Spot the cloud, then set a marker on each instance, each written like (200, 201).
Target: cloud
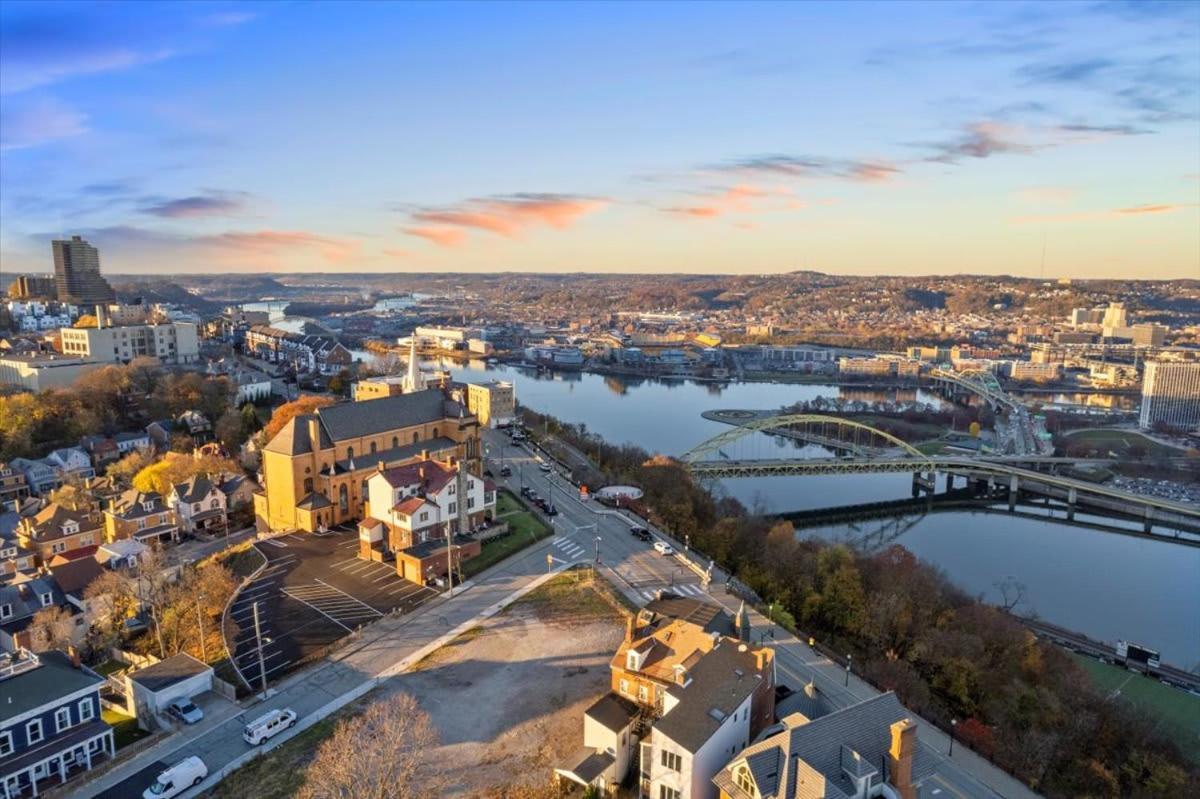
(1077, 71)
(507, 215)
(1111, 130)
(209, 204)
(778, 165)
(980, 140)
(30, 123)
(731, 200)
(259, 248)
(1131, 212)
(17, 76)
(441, 236)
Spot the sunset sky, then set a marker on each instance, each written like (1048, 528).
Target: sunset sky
(859, 138)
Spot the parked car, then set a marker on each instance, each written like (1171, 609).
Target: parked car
(268, 725)
(185, 710)
(506, 471)
(545, 467)
(663, 548)
(178, 778)
(526, 491)
(551, 510)
(640, 532)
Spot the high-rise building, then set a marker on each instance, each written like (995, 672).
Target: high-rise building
(1171, 394)
(32, 287)
(1114, 315)
(77, 273)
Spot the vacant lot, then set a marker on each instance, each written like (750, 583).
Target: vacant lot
(1122, 443)
(507, 697)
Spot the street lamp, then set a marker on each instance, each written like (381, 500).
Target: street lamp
(848, 659)
(953, 724)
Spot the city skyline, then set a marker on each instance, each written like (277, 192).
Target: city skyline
(1027, 139)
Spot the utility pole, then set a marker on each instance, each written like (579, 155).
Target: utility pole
(200, 624)
(262, 668)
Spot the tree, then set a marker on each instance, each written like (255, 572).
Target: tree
(112, 598)
(379, 754)
(289, 410)
(86, 320)
(125, 469)
(175, 468)
(51, 628)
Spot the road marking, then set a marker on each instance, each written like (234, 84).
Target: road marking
(293, 537)
(318, 610)
(387, 576)
(273, 542)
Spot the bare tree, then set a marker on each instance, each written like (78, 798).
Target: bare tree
(1012, 592)
(379, 754)
(52, 628)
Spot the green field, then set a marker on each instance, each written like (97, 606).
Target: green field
(1122, 442)
(1176, 711)
(526, 526)
(125, 728)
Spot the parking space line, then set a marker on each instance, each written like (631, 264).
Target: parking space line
(275, 543)
(318, 610)
(387, 576)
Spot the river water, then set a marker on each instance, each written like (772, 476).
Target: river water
(1102, 584)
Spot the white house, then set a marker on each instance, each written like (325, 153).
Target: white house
(417, 501)
(609, 742)
(200, 505)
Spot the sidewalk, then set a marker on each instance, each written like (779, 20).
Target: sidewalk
(388, 648)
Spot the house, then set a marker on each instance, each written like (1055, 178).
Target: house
(41, 477)
(195, 424)
(160, 432)
(58, 529)
(609, 742)
(315, 469)
(125, 553)
(50, 725)
(73, 578)
(140, 515)
(851, 753)
(12, 484)
(148, 691)
(19, 603)
(102, 449)
(692, 696)
(239, 490)
(72, 462)
(133, 440)
(200, 505)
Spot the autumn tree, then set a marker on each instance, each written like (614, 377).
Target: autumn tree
(127, 467)
(51, 628)
(175, 468)
(289, 410)
(112, 598)
(378, 754)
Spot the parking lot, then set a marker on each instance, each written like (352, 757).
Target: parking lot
(313, 591)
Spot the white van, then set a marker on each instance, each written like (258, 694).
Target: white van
(268, 726)
(178, 778)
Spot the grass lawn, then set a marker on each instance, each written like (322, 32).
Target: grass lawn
(527, 528)
(1120, 442)
(108, 667)
(1175, 710)
(125, 728)
(575, 593)
(242, 559)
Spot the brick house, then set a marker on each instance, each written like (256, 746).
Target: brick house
(142, 516)
(60, 530)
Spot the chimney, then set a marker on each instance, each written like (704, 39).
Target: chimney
(630, 628)
(73, 654)
(424, 454)
(900, 758)
(379, 466)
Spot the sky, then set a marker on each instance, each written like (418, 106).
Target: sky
(1057, 139)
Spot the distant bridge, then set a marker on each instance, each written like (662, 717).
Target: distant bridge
(994, 474)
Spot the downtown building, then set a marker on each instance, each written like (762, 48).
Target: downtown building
(1171, 395)
(77, 273)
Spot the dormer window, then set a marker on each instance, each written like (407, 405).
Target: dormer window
(70, 528)
(148, 505)
(745, 781)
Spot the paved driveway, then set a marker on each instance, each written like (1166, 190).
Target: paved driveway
(314, 591)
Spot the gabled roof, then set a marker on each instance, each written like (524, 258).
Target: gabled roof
(370, 417)
(429, 475)
(819, 749)
(76, 575)
(314, 501)
(196, 488)
(709, 617)
(130, 504)
(410, 506)
(54, 678)
(719, 682)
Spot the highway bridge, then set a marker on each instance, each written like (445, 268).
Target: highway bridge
(720, 457)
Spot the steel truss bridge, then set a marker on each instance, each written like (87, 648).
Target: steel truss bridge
(979, 382)
(1032, 473)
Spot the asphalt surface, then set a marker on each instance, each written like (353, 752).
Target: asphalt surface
(314, 591)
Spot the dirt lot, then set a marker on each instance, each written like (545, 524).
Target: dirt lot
(508, 697)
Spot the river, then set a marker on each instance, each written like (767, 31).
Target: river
(1105, 585)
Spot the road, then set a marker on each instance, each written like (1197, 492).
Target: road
(382, 650)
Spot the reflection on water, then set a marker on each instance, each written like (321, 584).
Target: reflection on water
(1105, 585)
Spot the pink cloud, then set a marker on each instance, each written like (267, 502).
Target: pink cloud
(1116, 213)
(441, 236)
(507, 215)
(873, 172)
(736, 199)
(270, 245)
(1153, 209)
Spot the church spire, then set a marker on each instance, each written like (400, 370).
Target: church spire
(412, 378)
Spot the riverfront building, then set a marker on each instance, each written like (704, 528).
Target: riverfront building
(316, 468)
(1171, 394)
(170, 342)
(493, 403)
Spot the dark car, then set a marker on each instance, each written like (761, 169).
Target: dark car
(505, 471)
(526, 491)
(640, 532)
(551, 510)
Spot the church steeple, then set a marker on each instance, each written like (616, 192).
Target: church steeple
(412, 377)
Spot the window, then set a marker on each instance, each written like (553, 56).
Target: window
(374, 449)
(416, 436)
(58, 546)
(624, 685)
(86, 711)
(5, 611)
(470, 502)
(668, 793)
(62, 719)
(33, 731)
(453, 489)
(196, 506)
(47, 599)
(643, 693)
(453, 507)
(216, 503)
(744, 781)
(308, 485)
(141, 524)
(424, 515)
(6, 744)
(395, 442)
(672, 761)
(349, 452)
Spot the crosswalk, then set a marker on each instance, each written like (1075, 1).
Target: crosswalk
(682, 589)
(567, 548)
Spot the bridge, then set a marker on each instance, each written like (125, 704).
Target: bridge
(1022, 433)
(720, 458)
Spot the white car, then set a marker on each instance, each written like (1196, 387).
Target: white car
(268, 725)
(663, 548)
(185, 774)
